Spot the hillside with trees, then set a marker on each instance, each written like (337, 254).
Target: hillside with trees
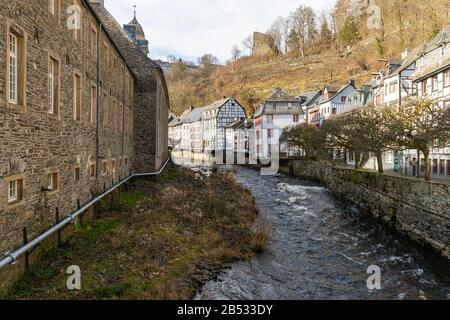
(311, 49)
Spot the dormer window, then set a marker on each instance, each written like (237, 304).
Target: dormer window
(442, 51)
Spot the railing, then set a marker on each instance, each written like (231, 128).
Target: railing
(11, 257)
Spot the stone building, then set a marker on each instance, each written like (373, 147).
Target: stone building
(80, 108)
(263, 44)
(151, 99)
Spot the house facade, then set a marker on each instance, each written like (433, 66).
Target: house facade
(334, 100)
(274, 115)
(424, 72)
(215, 118)
(239, 136)
(432, 81)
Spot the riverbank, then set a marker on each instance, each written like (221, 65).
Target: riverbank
(416, 208)
(161, 239)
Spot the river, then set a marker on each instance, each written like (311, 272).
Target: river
(322, 248)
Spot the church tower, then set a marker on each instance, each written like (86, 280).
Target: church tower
(136, 34)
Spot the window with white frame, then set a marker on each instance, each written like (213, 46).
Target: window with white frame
(14, 192)
(435, 83)
(53, 7)
(447, 78)
(53, 86)
(16, 45)
(93, 104)
(13, 65)
(77, 98)
(424, 87)
(389, 157)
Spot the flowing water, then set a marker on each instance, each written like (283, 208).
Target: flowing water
(322, 248)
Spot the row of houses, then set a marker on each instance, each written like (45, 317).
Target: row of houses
(223, 126)
(201, 131)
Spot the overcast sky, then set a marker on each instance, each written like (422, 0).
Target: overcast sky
(190, 28)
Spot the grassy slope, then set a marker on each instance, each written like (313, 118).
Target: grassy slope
(164, 240)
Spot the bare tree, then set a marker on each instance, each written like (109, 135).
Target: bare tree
(171, 59)
(303, 136)
(421, 124)
(208, 59)
(304, 26)
(247, 44)
(372, 126)
(361, 57)
(235, 53)
(277, 31)
(337, 134)
(207, 63)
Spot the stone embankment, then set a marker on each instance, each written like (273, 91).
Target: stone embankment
(419, 209)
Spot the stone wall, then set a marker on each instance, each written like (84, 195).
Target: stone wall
(34, 142)
(151, 101)
(419, 209)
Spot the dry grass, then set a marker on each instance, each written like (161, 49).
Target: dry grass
(163, 240)
(262, 233)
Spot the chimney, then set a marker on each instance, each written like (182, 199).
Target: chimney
(353, 83)
(405, 54)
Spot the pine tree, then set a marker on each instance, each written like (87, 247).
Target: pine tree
(349, 33)
(326, 37)
(293, 40)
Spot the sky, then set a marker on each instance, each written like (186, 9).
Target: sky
(191, 28)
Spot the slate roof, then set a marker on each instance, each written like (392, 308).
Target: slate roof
(267, 107)
(240, 124)
(332, 88)
(309, 98)
(174, 122)
(433, 69)
(179, 120)
(281, 96)
(217, 104)
(194, 116)
(335, 93)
